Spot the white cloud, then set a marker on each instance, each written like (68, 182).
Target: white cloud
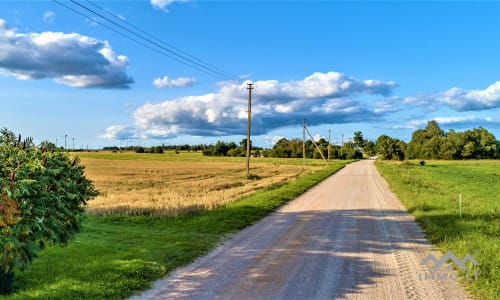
(388, 105)
(458, 99)
(163, 4)
(472, 100)
(322, 98)
(71, 59)
(317, 137)
(276, 139)
(119, 132)
(324, 85)
(165, 82)
(49, 17)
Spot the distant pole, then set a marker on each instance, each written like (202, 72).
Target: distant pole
(249, 87)
(460, 205)
(329, 138)
(304, 141)
(342, 146)
(73, 144)
(65, 137)
(56, 142)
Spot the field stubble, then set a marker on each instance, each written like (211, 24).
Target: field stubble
(168, 188)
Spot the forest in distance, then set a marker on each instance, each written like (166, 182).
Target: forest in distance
(429, 143)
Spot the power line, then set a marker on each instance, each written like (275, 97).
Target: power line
(228, 74)
(114, 30)
(185, 60)
(152, 42)
(164, 51)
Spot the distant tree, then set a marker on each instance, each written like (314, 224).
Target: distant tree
(432, 129)
(433, 143)
(243, 144)
(281, 149)
(359, 141)
(389, 148)
(426, 143)
(237, 152)
(157, 149)
(139, 149)
(295, 146)
(221, 148)
(369, 148)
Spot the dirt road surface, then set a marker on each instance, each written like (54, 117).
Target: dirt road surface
(347, 238)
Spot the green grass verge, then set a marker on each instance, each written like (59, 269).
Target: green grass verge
(112, 257)
(431, 194)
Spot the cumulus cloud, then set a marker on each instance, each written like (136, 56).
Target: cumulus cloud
(166, 82)
(119, 132)
(471, 100)
(458, 99)
(388, 105)
(322, 98)
(163, 4)
(324, 85)
(70, 59)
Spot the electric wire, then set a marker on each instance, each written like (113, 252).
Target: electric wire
(162, 50)
(173, 53)
(185, 60)
(227, 74)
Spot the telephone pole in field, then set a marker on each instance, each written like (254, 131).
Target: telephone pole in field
(249, 87)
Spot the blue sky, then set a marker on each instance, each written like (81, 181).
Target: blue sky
(377, 67)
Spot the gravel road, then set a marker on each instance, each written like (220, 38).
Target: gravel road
(347, 238)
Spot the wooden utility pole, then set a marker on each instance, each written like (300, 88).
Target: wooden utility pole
(342, 146)
(304, 141)
(329, 138)
(249, 87)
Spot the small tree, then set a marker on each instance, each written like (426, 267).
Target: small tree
(390, 148)
(42, 197)
(359, 140)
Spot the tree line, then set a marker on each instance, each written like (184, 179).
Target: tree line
(428, 143)
(292, 148)
(434, 143)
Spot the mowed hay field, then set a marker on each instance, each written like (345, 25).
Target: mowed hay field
(143, 184)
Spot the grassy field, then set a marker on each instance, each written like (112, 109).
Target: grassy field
(115, 256)
(170, 184)
(431, 194)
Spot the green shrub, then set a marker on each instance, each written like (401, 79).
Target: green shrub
(42, 197)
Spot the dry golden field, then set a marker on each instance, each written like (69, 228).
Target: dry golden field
(170, 187)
